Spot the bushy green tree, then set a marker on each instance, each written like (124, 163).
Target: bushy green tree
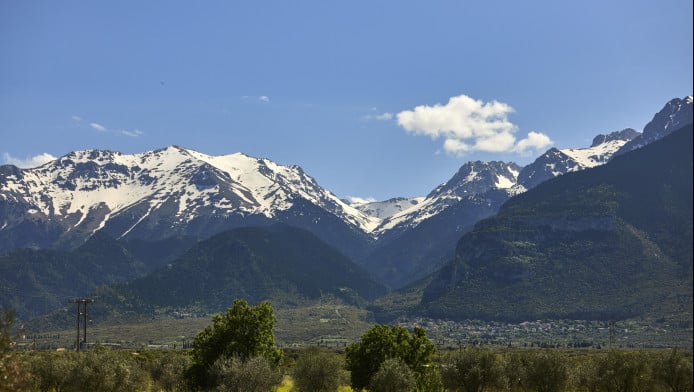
(382, 342)
(472, 370)
(393, 376)
(243, 332)
(318, 371)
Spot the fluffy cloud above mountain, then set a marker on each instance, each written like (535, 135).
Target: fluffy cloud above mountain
(468, 125)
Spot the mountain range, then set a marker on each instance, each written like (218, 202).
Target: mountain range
(611, 242)
(156, 205)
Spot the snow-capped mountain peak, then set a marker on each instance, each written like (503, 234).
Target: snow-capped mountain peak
(675, 114)
(555, 162)
(472, 180)
(388, 208)
(168, 189)
(601, 150)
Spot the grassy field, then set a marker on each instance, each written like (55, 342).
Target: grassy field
(320, 324)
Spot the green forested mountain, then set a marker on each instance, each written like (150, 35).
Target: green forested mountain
(38, 281)
(255, 263)
(606, 243)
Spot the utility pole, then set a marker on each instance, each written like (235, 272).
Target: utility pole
(79, 302)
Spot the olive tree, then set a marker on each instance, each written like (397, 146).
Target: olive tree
(472, 370)
(255, 374)
(318, 371)
(13, 372)
(393, 376)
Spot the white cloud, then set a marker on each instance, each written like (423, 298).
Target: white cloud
(102, 128)
(98, 127)
(379, 117)
(28, 162)
(135, 133)
(257, 98)
(534, 141)
(468, 125)
(360, 200)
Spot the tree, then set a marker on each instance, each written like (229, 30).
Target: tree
(393, 376)
(472, 370)
(13, 373)
(318, 371)
(543, 371)
(673, 370)
(382, 342)
(618, 371)
(243, 332)
(255, 374)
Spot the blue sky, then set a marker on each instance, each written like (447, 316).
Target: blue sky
(374, 99)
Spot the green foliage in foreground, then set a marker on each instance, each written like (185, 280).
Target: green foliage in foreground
(103, 369)
(243, 332)
(318, 370)
(518, 370)
(255, 374)
(238, 354)
(380, 343)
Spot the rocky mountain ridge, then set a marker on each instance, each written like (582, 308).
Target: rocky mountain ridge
(175, 191)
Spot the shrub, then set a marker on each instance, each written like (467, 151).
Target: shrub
(544, 371)
(14, 375)
(618, 371)
(256, 374)
(100, 369)
(318, 371)
(166, 368)
(393, 376)
(472, 370)
(673, 371)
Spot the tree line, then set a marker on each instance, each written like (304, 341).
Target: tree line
(238, 353)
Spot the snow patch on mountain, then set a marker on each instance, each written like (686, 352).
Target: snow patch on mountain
(388, 208)
(472, 180)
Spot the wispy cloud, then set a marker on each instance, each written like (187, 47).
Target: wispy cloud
(98, 127)
(256, 98)
(135, 133)
(104, 129)
(28, 162)
(467, 125)
(379, 117)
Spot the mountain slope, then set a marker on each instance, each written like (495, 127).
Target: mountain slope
(36, 281)
(555, 162)
(472, 179)
(256, 263)
(388, 208)
(610, 242)
(677, 113)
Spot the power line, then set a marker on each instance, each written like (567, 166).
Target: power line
(80, 302)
